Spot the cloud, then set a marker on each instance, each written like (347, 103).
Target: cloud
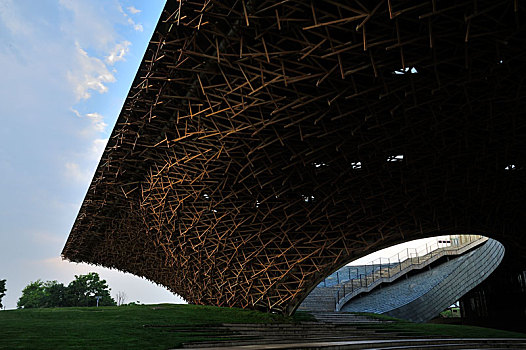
(12, 20)
(83, 172)
(97, 121)
(136, 26)
(77, 113)
(89, 23)
(55, 54)
(118, 52)
(97, 147)
(75, 173)
(133, 10)
(89, 74)
(97, 124)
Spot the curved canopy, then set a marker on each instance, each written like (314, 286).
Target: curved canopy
(264, 144)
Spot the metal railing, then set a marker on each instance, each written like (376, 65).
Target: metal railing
(389, 269)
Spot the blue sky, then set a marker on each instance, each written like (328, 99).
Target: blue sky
(67, 66)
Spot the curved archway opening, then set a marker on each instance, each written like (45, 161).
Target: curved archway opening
(414, 280)
(394, 255)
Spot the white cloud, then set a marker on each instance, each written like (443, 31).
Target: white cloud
(77, 113)
(97, 121)
(12, 19)
(97, 124)
(54, 54)
(97, 147)
(82, 168)
(97, 44)
(82, 172)
(138, 27)
(133, 10)
(118, 52)
(89, 24)
(90, 74)
(75, 173)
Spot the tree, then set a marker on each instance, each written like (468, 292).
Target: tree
(82, 291)
(84, 288)
(55, 294)
(33, 295)
(121, 298)
(2, 291)
(42, 294)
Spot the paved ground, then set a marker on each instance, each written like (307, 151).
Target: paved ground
(338, 331)
(391, 344)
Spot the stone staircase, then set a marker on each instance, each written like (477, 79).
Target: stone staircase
(320, 299)
(334, 331)
(423, 296)
(346, 318)
(334, 297)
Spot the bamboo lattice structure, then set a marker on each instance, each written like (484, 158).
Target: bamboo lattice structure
(264, 144)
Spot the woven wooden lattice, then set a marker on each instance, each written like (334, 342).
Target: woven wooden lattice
(264, 144)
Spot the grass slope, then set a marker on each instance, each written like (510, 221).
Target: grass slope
(165, 326)
(125, 327)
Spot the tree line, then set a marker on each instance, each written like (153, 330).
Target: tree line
(84, 290)
(2, 291)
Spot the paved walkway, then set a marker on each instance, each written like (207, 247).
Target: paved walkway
(441, 343)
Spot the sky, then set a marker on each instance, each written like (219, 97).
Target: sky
(417, 247)
(67, 66)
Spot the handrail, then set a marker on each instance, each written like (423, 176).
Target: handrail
(398, 264)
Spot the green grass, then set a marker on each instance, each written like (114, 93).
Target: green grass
(451, 313)
(447, 330)
(166, 326)
(126, 327)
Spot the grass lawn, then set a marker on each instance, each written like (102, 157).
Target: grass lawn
(451, 313)
(125, 327)
(164, 326)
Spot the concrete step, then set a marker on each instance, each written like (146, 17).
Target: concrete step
(383, 344)
(281, 340)
(299, 334)
(345, 318)
(315, 326)
(460, 346)
(265, 341)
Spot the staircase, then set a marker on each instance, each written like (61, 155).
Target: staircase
(347, 318)
(387, 270)
(352, 288)
(423, 296)
(334, 331)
